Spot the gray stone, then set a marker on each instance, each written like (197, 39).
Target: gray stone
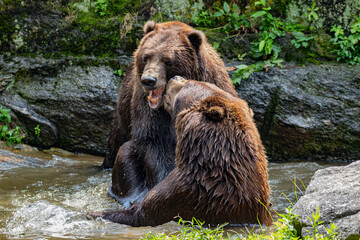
(302, 112)
(72, 104)
(336, 192)
(307, 112)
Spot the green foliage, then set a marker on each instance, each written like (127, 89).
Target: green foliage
(315, 223)
(111, 8)
(283, 228)
(311, 15)
(193, 229)
(300, 39)
(347, 48)
(216, 45)
(205, 19)
(119, 72)
(101, 7)
(231, 19)
(10, 136)
(269, 28)
(37, 131)
(243, 71)
(272, 28)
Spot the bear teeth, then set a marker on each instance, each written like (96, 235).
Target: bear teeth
(154, 100)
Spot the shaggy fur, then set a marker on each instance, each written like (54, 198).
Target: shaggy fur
(221, 167)
(141, 126)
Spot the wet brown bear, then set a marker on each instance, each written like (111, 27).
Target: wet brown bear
(221, 168)
(141, 126)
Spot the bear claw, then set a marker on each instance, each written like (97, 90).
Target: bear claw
(94, 215)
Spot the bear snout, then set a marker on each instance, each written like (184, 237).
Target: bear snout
(148, 82)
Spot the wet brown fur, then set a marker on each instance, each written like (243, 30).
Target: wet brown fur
(147, 136)
(221, 167)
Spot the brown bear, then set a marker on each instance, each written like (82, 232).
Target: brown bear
(141, 126)
(221, 168)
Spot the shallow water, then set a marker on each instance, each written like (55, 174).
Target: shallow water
(45, 195)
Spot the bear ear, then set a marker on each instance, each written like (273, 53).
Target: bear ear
(196, 38)
(215, 113)
(149, 26)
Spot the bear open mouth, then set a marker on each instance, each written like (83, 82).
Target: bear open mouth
(155, 97)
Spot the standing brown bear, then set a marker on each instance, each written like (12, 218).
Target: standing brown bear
(221, 168)
(141, 126)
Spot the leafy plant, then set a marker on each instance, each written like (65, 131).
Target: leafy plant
(283, 228)
(205, 19)
(270, 29)
(311, 15)
(332, 231)
(193, 229)
(119, 72)
(347, 48)
(101, 7)
(300, 39)
(315, 221)
(10, 136)
(244, 71)
(232, 19)
(37, 130)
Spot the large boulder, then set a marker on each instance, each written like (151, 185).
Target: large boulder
(336, 192)
(307, 112)
(72, 103)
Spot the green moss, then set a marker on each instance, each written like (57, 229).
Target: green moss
(340, 146)
(7, 29)
(279, 7)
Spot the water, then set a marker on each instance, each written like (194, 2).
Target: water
(45, 195)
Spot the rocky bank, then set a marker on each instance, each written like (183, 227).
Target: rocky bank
(307, 112)
(335, 191)
(71, 103)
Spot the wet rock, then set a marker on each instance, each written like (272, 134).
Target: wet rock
(5, 81)
(336, 191)
(72, 104)
(29, 118)
(307, 112)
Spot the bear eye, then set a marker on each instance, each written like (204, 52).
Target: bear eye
(145, 58)
(168, 62)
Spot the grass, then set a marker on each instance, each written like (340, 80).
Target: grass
(282, 228)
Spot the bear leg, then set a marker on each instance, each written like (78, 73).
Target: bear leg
(171, 198)
(128, 181)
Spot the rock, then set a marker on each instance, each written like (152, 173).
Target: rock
(72, 103)
(29, 118)
(302, 112)
(5, 81)
(307, 112)
(336, 191)
(330, 13)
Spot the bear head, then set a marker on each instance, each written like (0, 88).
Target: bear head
(166, 50)
(183, 94)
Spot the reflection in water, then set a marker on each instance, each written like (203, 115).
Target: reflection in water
(45, 195)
